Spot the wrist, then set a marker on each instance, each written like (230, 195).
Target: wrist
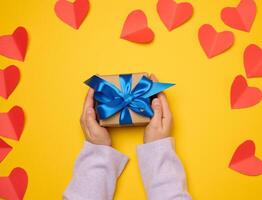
(103, 143)
(154, 138)
(96, 141)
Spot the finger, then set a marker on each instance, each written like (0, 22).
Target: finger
(157, 108)
(84, 105)
(89, 102)
(91, 121)
(167, 115)
(163, 100)
(153, 78)
(90, 98)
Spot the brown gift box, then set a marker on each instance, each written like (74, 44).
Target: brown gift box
(137, 119)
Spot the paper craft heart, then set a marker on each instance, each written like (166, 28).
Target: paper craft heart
(212, 42)
(243, 96)
(174, 14)
(244, 160)
(242, 17)
(14, 46)
(135, 28)
(14, 186)
(12, 123)
(72, 13)
(9, 78)
(4, 150)
(253, 61)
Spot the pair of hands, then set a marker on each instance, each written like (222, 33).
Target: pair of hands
(159, 126)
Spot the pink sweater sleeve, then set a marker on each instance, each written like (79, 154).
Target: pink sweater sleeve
(162, 172)
(96, 171)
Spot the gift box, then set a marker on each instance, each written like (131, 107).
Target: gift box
(125, 99)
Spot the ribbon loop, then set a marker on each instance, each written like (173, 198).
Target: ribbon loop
(111, 100)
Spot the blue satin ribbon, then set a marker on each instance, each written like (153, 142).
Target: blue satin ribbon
(111, 100)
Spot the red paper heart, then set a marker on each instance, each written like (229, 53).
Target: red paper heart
(253, 61)
(212, 42)
(14, 46)
(243, 96)
(9, 78)
(241, 17)
(244, 160)
(174, 14)
(135, 28)
(72, 13)
(4, 150)
(14, 186)
(12, 123)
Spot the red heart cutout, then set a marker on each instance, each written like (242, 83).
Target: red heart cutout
(12, 123)
(212, 42)
(14, 186)
(243, 96)
(9, 78)
(244, 160)
(253, 61)
(174, 14)
(4, 150)
(241, 17)
(14, 46)
(135, 28)
(72, 13)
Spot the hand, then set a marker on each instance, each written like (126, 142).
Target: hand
(94, 133)
(161, 123)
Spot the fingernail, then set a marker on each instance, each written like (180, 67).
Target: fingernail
(89, 110)
(156, 102)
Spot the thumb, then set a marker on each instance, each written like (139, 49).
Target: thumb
(157, 118)
(91, 119)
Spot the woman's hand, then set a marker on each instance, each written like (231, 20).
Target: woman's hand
(94, 133)
(161, 123)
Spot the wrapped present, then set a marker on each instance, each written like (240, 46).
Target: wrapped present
(124, 99)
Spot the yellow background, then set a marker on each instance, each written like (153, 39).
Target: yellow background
(51, 92)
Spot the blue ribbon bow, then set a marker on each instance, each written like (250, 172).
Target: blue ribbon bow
(111, 100)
